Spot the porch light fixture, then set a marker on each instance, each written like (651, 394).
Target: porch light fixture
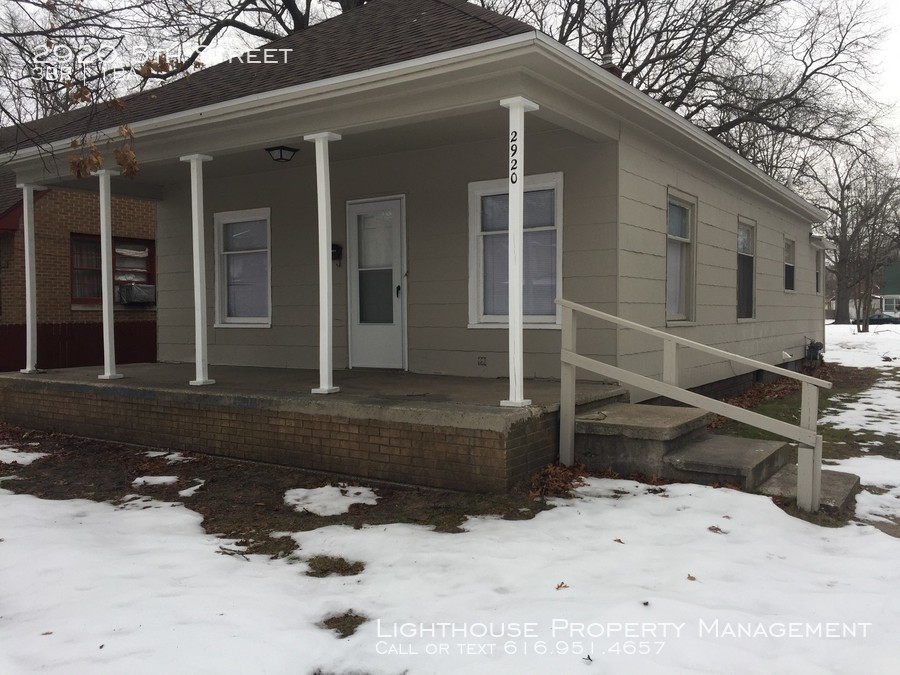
(281, 153)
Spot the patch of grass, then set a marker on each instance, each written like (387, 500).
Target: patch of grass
(326, 565)
(344, 624)
(822, 517)
(242, 501)
(556, 480)
(848, 383)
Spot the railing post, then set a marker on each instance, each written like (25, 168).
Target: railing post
(809, 458)
(567, 390)
(670, 362)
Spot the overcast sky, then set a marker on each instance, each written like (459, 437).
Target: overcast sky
(890, 59)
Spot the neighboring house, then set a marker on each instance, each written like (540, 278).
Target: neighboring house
(890, 289)
(628, 208)
(876, 303)
(67, 267)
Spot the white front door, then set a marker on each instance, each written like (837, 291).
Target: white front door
(376, 270)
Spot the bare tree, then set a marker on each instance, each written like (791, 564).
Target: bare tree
(56, 55)
(770, 78)
(860, 191)
(766, 77)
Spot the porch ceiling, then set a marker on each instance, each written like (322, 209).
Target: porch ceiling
(462, 128)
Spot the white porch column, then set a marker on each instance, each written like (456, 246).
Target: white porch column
(30, 278)
(518, 106)
(326, 289)
(199, 248)
(106, 276)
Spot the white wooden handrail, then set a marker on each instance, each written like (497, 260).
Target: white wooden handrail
(809, 465)
(699, 346)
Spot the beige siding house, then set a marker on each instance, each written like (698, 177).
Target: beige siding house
(391, 223)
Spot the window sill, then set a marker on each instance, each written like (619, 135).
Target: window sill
(747, 319)
(679, 323)
(527, 326)
(790, 290)
(116, 308)
(242, 325)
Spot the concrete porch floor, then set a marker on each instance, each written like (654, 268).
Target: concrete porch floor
(293, 381)
(454, 396)
(434, 430)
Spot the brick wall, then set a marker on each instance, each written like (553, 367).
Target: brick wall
(58, 214)
(12, 278)
(262, 429)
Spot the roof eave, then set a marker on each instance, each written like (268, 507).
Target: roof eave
(248, 105)
(610, 84)
(645, 105)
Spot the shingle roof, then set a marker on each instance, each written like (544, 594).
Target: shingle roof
(10, 195)
(379, 33)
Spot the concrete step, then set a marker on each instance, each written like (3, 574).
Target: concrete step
(714, 459)
(590, 399)
(838, 488)
(651, 422)
(628, 438)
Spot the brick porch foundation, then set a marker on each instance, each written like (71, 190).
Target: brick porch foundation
(485, 451)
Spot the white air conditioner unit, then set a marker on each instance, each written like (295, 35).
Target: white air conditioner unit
(137, 294)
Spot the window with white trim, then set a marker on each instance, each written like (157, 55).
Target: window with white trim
(679, 258)
(789, 264)
(746, 258)
(243, 268)
(489, 251)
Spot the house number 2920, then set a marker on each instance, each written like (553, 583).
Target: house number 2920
(513, 159)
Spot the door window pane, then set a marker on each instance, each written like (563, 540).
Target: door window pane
(376, 296)
(375, 237)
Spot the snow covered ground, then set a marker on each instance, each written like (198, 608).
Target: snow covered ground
(876, 410)
(681, 579)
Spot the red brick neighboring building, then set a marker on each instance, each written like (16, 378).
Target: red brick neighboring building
(67, 262)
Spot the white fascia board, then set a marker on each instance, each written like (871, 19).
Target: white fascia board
(248, 105)
(648, 106)
(820, 242)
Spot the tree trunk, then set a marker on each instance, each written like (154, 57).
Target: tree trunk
(841, 294)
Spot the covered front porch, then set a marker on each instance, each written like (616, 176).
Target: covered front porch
(380, 170)
(437, 431)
